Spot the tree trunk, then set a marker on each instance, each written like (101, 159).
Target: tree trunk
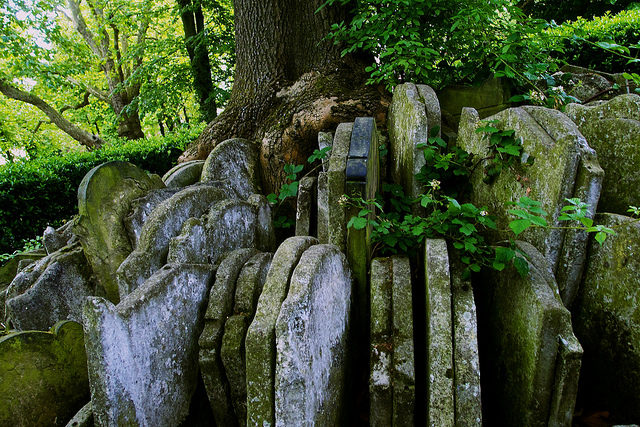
(80, 135)
(195, 41)
(289, 84)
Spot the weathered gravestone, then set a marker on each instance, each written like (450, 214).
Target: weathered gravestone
(466, 359)
(336, 185)
(392, 366)
(260, 342)
(143, 353)
(51, 289)
(54, 240)
(564, 166)
(183, 174)
(234, 167)
(607, 321)
(440, 405)
(248, 289)
(413, 113)
(10, 269)
(325, 139)
(141, 209)
(230, 224)
(104, 198)
(530, 359)
(83, 418)
(164, 223)
(220, 307)
(43, 376)
(612, 129)
(306, 207)
(311, 339)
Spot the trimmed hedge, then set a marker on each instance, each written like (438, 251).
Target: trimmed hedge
(622, 28)
(42, 192)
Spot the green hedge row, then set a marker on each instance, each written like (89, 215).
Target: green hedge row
(42, 192)
(622, 28)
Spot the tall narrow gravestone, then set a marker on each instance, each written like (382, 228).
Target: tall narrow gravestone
(563, 166)
(311, 334)
(336, 186)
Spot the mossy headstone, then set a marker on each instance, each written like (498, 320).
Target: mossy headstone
(43, 376)
(183, 174)
(104, 199)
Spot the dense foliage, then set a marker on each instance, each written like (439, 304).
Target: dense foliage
(43, 192)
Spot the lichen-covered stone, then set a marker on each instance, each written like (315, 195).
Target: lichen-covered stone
(564, 166)
(104, 198)
(141, 209)
(265, 233)
(230, 224)
(607, 320)
(381, 334)
(403, 366)
(491, 97)
(11, 268)
(530, 358)
(613, 130)
(53, 239)
(311, 340)
(183, 174)
(83, 418)
(234, 166)
(336, 186)
(142, 354)
(466, 362)
(323, 208)
(325, 139)
(219, 308)
(50, 290)
(260, 341)
(164, 223)
(43, 376)
(440, 398)
(248, 288)
(305, 205)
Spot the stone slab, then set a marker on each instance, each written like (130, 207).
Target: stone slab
(311, 340)
(381, 344)
(440, 404)
(50, 290)
(219, 308)
(336, 178)
(183, 174)
(323, 208)
(53, 239)
(142, 354)
(141, 209)
(325, 139)
(234, 166)
(607, 318)
(564, 166)
(260, 340)
(43, 376)
(164, 223)
(104, 198)
(306, 207)
(530, 358)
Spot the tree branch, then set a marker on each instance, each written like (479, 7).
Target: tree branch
(81, 27)
(92, 90)
(80, 135)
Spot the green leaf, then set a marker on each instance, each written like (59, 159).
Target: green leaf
(600, 237)
(357, 222)
(519, 225)
(521, 265)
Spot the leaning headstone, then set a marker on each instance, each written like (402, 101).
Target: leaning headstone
(141, 209)
(248, 288)
(325, 139)
(336, 186)
(53, 239)
(305, 207)
(183, 174)
(142, 354)
(613, 130)
(11, 268)
(413, 113)
(440, 405)
(235, 167)
(564, 167)
(466, 362)
(260, 341)
(323, 208)
(43, 376)
(606, 320)
(266, 236)
(164, 223)
(104, 198)
(530, 358)
(219, 308)
(50, 290)
(381, 344)
(83, 418)
(230, 224)
(311, 340)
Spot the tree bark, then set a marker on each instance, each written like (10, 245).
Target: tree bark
(289, 83)
(80, 135)
(195, 41)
